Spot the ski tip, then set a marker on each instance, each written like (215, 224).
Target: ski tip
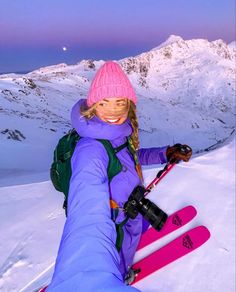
(203, 231)
(189, 210)
(193, 209)
(206, 231)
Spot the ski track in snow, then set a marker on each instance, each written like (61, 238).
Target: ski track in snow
(40, 280)
(14, 260)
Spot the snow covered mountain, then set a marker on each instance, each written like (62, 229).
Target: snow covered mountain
(186, 92)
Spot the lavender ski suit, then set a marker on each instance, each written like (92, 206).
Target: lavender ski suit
(87, 258)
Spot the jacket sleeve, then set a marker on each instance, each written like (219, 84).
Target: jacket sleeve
(155, 155)
(87, 258)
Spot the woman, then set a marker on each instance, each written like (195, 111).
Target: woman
(88, 259)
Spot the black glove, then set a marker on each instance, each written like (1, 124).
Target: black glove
(178, 152)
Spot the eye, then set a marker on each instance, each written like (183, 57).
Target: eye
(102, 104)
(123, 103)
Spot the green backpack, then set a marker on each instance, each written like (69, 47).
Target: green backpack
(60, 171)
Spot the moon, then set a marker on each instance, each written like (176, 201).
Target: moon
(64, 49)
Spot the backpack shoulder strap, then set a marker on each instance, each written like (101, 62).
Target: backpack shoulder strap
(114, 165)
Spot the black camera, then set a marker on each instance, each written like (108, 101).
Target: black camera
(137, 203)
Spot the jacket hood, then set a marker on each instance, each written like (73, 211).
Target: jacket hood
(96, 128)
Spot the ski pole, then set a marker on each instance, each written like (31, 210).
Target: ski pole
(162, 173)
(184, 149)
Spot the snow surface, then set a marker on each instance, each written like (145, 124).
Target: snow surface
(32, 220)
(186, 93)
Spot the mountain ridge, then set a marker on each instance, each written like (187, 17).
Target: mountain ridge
(185, 92)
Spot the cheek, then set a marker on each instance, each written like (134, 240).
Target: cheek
(99, 113)
(125, 115)
(123, 118)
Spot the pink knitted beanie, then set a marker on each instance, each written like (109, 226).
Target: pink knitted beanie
(110, 81)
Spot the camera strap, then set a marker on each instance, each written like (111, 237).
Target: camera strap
(120, 233)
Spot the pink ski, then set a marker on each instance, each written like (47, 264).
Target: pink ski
(174, 250)
(174, 222)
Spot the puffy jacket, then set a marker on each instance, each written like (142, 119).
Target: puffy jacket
(87, 258)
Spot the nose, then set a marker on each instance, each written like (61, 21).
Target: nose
(113, 109)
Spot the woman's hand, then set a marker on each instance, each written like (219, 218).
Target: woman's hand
(178, 152)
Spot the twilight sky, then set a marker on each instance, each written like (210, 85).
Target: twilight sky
(34, 32)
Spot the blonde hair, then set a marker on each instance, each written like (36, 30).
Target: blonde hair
(90, 112)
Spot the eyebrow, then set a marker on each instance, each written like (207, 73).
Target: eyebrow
(116, 100)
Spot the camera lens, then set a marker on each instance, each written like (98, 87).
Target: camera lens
(152, 213)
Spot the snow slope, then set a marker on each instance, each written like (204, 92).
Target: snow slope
(32, 220)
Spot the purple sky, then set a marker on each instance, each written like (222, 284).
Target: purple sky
(33, 32)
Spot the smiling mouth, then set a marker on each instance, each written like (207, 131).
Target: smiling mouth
(112, 121)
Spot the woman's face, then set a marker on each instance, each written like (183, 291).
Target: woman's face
(113, 110)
